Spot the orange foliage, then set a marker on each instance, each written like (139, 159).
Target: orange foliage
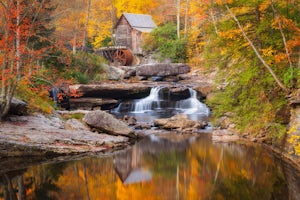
(74, 93)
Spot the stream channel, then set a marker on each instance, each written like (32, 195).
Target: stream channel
(161, 167)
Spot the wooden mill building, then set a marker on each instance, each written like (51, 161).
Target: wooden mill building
(130, 28)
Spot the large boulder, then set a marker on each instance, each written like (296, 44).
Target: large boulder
(114, 73)
(162, 69)
(18, 107)
(129, 71)
(107, 123)
(179, 121)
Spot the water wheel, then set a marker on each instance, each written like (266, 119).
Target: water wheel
(123, 56)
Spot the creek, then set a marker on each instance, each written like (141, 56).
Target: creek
(159, 168)
(165, 166)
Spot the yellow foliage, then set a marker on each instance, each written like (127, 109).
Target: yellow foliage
(241, 10)
(232, 34)
(268, 52)
(101, 21)
(295, 141)
(264, 5)
(292, 129)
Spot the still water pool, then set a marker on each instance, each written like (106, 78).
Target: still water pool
(159, 168)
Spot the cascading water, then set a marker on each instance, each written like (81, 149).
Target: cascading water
(192, 105)
(159, 105)
(149, 103)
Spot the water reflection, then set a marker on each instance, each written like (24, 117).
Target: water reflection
(157, 168)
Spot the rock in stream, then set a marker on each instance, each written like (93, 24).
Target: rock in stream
(108, 123)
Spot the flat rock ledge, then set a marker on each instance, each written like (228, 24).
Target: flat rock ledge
(46, 136)
(112, 90)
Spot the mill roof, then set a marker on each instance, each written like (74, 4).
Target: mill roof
(140, 22)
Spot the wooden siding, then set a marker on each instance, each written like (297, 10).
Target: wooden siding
(136, 41)
(131, 37)
(123, 34)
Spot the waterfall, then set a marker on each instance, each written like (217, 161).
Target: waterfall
(192, 105)
(150, 102)
(159, 104)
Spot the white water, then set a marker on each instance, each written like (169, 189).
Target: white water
(150, 102)
(187, 106)
(192, 105)
(160, 105)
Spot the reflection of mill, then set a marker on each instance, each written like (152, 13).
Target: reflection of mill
(129, 164)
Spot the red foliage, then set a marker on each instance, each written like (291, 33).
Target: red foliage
(74, 93)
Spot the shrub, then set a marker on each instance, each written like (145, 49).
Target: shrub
(37, 97)
(85, 67)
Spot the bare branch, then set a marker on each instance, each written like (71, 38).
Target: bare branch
(282, 35)
(214, 21)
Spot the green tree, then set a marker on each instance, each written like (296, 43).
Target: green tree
(164, 39)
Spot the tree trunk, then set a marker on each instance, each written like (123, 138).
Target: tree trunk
(186, 18)
(178, 18)
(6, 100)
(113, 17)
(74, 43)
(3, 102)
(86, 25)
(11, 67)
(280, 84)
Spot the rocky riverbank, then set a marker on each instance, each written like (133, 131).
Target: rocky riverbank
(37, 135)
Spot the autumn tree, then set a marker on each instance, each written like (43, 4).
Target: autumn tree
(23, 36)
(255, 47)
(102, 19)
(70, 23)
